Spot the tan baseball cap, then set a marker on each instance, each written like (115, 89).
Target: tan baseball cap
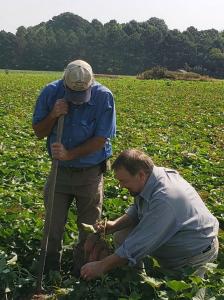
(78, 78)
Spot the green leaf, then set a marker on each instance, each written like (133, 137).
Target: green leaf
(88, 228)
(178, 286)
(151, 281)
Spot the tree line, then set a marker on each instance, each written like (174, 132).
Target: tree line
(112, 48)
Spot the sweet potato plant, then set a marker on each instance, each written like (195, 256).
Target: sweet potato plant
(179, 124)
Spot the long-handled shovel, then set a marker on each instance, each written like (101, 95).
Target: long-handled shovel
(48, 218)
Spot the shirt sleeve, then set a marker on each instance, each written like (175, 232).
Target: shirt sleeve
(42, 107)
(106, 124)
(153, 230)
(132, 212)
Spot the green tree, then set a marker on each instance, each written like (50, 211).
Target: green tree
(8, 50)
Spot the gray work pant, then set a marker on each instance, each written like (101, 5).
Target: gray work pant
(197, 262)
(85, 188)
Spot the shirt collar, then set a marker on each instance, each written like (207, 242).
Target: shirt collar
(150, 184)
(93, 91)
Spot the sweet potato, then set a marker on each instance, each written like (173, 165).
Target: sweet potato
(90, 242)
(99, 251)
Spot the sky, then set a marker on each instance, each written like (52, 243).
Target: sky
(177, 14)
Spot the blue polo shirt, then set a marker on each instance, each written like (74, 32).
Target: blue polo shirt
(95, 118)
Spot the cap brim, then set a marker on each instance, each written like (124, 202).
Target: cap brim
(77, 97)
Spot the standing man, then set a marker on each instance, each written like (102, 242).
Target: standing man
(89, 125)
(168, 220)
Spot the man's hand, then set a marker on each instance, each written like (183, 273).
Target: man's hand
(92, 270)
(44, 127)
(96, 269)
(116, 225)
(60, 108)
(59, 152)
(110, 227)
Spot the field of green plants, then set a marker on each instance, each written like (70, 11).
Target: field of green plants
(178, 123)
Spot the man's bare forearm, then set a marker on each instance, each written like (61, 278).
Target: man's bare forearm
(44, 127)
(113, 261)
(120, 223)
(90, 146)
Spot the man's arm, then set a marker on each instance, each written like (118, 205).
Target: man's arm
(90, 146)
(120, 223)
(44, 127)
(98, 268)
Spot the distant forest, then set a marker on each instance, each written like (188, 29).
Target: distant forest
(112, 48)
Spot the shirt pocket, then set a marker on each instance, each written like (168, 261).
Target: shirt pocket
(84, 129)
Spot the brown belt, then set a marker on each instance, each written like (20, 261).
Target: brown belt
(84, 168)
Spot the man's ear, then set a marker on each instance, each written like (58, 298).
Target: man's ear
(142, 175)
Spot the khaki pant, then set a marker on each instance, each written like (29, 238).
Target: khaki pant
(85, 188)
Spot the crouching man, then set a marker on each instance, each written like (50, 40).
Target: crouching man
(168, 220)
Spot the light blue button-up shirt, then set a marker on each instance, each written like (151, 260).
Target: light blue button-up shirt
(174, 223)
(94, 118)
